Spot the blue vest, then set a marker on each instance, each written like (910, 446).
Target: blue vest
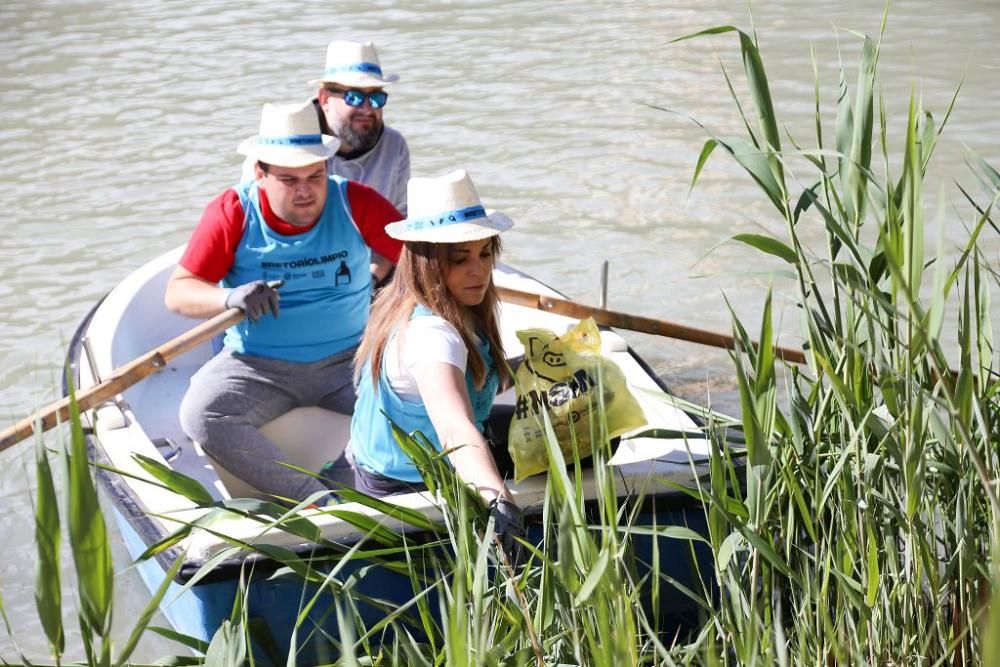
(327, 274)
(371, 434)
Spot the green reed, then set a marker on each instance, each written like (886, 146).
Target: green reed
(865, 529)
(90, 550)
(576, 599)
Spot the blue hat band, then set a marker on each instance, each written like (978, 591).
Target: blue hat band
(367, 68)
(291, 140)
(454, 217)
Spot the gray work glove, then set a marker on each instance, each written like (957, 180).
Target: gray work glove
(508, 524)
(256, 299)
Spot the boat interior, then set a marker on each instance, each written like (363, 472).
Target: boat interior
(133, 320)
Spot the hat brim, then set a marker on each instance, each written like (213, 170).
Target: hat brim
(493, 224)
(358, 79)
(289, 156)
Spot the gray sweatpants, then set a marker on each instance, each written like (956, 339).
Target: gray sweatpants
(234, 394)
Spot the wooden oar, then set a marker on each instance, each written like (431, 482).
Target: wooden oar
(633, 322)
(122, 377)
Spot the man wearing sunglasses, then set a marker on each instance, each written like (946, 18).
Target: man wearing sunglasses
(351, 100)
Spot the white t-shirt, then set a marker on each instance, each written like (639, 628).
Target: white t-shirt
(427, 339)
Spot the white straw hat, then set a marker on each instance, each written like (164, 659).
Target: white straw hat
(289, 137)
(353, 64)
(447, 209)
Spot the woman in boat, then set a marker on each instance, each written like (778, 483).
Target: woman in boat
(431, 357)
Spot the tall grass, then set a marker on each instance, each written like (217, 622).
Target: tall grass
(90, 549)
(581, 596)
(866, 527)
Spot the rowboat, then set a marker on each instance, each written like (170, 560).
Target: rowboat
(142, 423)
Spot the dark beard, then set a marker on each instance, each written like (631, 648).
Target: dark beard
(356, 142)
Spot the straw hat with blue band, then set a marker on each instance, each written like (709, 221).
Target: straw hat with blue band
(353, 64)
(447, 209)
(289, 137)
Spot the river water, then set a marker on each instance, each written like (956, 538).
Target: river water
(119, 121)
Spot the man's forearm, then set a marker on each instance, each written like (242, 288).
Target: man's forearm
(192, 297)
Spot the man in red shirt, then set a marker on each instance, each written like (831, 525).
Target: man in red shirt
(324, 237)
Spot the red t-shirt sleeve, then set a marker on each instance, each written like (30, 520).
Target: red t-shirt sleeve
(211, 250)
(372, 212)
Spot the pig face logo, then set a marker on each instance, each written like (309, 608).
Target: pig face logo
(545, 355)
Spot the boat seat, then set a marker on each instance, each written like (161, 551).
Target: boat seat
(310, 437)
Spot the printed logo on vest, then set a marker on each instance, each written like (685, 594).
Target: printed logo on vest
(314, 268)
(343, 274)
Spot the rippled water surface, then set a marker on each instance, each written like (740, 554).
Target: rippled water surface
(119, 121)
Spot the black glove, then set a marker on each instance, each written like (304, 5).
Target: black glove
(508, 524)
(256, 299)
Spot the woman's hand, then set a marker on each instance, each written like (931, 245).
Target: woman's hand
(508, 525)
(443, 391)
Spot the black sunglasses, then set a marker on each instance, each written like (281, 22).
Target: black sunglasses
(356, 98)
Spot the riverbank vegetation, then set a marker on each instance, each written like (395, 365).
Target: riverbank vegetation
(848, 516)
(868, 529)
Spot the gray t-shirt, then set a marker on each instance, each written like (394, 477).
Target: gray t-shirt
(385, 168)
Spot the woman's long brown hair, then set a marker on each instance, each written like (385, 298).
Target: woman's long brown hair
(419, 279)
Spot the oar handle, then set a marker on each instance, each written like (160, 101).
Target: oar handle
(633, 322)
(121, 378)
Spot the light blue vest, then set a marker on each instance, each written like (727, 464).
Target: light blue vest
(371, 434)
(327, 274)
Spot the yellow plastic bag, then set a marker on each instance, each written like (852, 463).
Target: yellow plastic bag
(568, 377)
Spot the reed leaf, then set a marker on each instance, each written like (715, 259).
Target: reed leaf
(170, 541)
(770, 245)
(88, 534)
(991, 633)
(706, 152)
(345, 623)
(10, 632)
(370, 526)
(180, 638)
(836, 227)
(142, 622)
(228, 646)
(761, 93)
(177, 482)
(48, 540)
(857, 165)
(757, 163)
(843, 135)
(984, 324)
(594, 578)
(404, 514)
(205, 570)
(912, 206)
(672, 532)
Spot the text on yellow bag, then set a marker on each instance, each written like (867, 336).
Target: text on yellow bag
(567, 377)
